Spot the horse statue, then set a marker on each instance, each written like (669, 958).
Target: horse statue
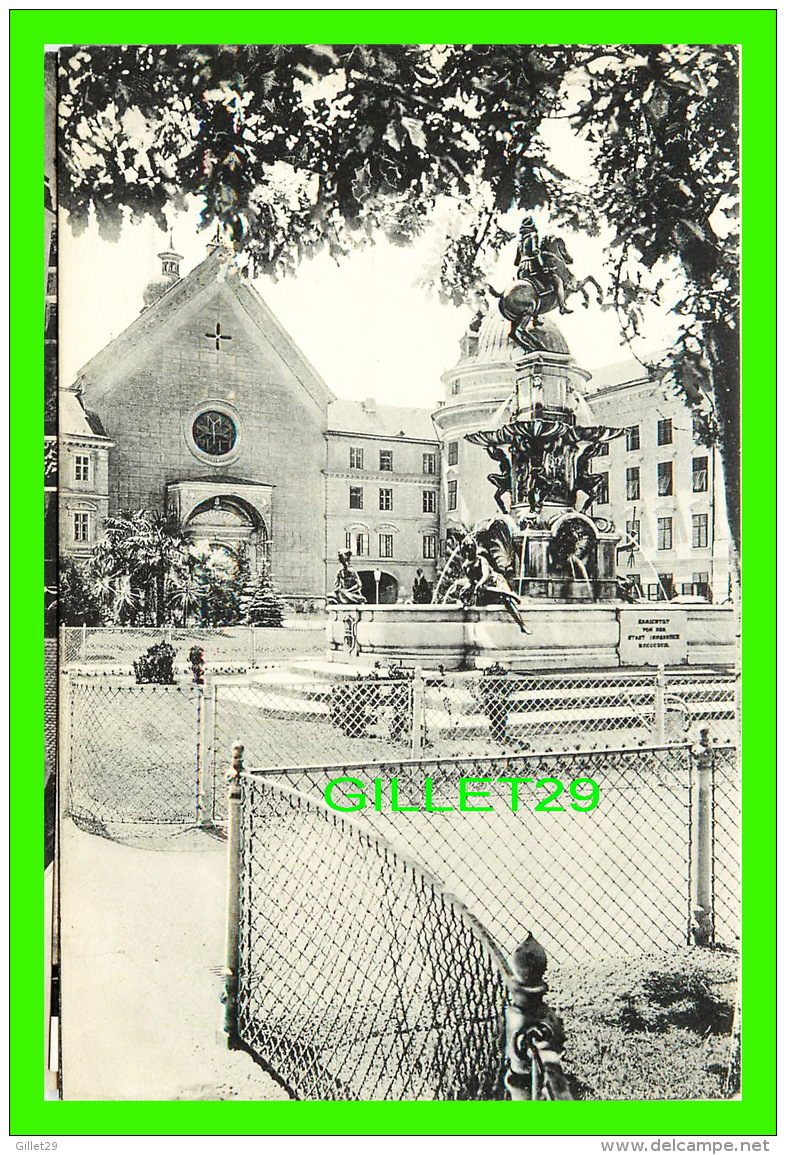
(544, 282)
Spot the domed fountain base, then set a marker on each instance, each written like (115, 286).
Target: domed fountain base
(563, 636)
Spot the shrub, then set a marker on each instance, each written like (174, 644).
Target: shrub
(262, 602)
(156, 665)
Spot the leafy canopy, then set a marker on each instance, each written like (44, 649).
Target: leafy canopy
(294, 149)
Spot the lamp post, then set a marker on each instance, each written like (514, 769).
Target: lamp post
(377, 580)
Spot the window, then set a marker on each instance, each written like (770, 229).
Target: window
(356, 497)
(453, 453)
(665, 533)
(386, 460)
(429, 501)
(429, 463)
(663, 590)
(665, 482)
(215, 433)
(633, 530)
(633, 483)
(700, 535)
(429, 547)
(699, 474)
(355, 458)
(386, 545)
(666, 581)
(455, 388)
(386, 499)
(602, 492)
(357, 543)
(81, 468)
(701, 579)
(633, 438)
(603, 451)
(81, 527)
(452, 494)
(664, 431)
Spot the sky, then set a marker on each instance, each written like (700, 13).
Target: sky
(365, 324)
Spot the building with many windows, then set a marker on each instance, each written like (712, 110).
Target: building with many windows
(83, 481)
(663, 489)
(382, 495)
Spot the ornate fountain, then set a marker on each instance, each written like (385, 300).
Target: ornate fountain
(536, 586)
(546, 488)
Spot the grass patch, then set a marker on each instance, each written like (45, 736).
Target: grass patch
(652, 1027)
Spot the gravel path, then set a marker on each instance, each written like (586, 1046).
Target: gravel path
(143, 944)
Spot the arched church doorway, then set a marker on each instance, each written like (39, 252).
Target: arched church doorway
(227, 524)
(388, 587)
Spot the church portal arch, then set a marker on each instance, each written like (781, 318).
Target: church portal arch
(227, 523)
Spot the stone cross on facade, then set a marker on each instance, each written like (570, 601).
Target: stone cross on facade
(218, 336)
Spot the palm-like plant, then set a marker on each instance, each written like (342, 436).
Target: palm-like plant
(138, 566)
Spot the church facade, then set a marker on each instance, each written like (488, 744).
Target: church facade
(207, 409)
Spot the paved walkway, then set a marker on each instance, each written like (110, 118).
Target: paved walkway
(143, 944)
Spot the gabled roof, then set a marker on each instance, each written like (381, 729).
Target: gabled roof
(627, 372)
(217, 274)
(75, 420)
(374, 420)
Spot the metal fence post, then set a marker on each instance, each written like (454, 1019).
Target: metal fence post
(534, 1034)
(660, 706)
(234, 857)
(253, 647)
(63, 764)
(209, 755)
(200, 755)
(83, 641)
(418, 689)
(701, 845)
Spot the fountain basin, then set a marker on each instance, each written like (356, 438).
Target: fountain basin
(563, 637)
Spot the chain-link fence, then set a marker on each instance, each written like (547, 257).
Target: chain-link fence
(133, 754)
(359, 977)
(290, 720)
(116, 648)
(50, 706)
(610, 881)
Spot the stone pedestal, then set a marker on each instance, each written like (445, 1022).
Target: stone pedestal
(564, 635)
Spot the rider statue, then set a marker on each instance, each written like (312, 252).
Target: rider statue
(532, 262)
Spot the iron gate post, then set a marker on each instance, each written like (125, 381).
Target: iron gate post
(701, 888)
(534, 1034)
(660, 706)
(418, 690)
(234, 854)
